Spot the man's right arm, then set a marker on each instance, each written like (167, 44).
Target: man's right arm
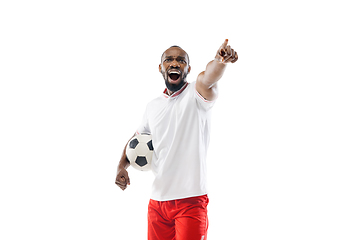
(122, 177)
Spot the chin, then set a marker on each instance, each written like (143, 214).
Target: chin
(174, 87)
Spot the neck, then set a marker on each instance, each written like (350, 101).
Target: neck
(169, 92)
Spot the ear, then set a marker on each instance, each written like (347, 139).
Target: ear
(160, 68)
(189, 69)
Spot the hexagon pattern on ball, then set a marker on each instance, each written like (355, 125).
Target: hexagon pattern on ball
(139, 152)
(133, 143)
(150, 145)
(141, 161)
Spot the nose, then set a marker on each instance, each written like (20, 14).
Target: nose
(175, 64)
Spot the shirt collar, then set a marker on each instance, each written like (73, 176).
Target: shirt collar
(177, 93)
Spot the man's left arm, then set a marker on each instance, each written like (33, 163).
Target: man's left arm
(206, 83)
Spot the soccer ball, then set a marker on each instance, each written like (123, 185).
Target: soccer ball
(139, 152)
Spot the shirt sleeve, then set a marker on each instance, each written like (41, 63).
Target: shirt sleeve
(144, 125)
(202, 102)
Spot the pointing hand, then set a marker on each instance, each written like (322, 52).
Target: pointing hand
(226, 54)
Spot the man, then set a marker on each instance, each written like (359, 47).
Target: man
(179, 122)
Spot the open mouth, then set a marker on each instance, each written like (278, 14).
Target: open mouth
(174, 75)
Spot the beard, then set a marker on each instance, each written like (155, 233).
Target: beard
(174, 87)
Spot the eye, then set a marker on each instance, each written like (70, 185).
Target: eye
(182, 61)
(167, 60)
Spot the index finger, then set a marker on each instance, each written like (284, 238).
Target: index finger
(224, 44)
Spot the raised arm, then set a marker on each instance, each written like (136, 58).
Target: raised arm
(206, 81)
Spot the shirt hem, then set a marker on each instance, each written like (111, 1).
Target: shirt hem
(178, 197)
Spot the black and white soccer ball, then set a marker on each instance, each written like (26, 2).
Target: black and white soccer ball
(139, 152)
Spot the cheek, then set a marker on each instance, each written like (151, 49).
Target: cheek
(163, 68)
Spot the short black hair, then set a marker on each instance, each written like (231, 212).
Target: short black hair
(176, 47)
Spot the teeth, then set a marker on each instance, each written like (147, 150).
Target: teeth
(174, 71)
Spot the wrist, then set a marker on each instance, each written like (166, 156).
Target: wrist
(220, 61)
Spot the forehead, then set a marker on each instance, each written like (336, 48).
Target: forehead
(174, 52)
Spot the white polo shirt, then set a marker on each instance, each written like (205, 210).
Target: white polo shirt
(180, 129)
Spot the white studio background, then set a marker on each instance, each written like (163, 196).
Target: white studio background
(75, 79)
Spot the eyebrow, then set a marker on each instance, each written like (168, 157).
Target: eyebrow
(178, 57)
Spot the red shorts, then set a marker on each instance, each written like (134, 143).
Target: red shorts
(182, 219)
